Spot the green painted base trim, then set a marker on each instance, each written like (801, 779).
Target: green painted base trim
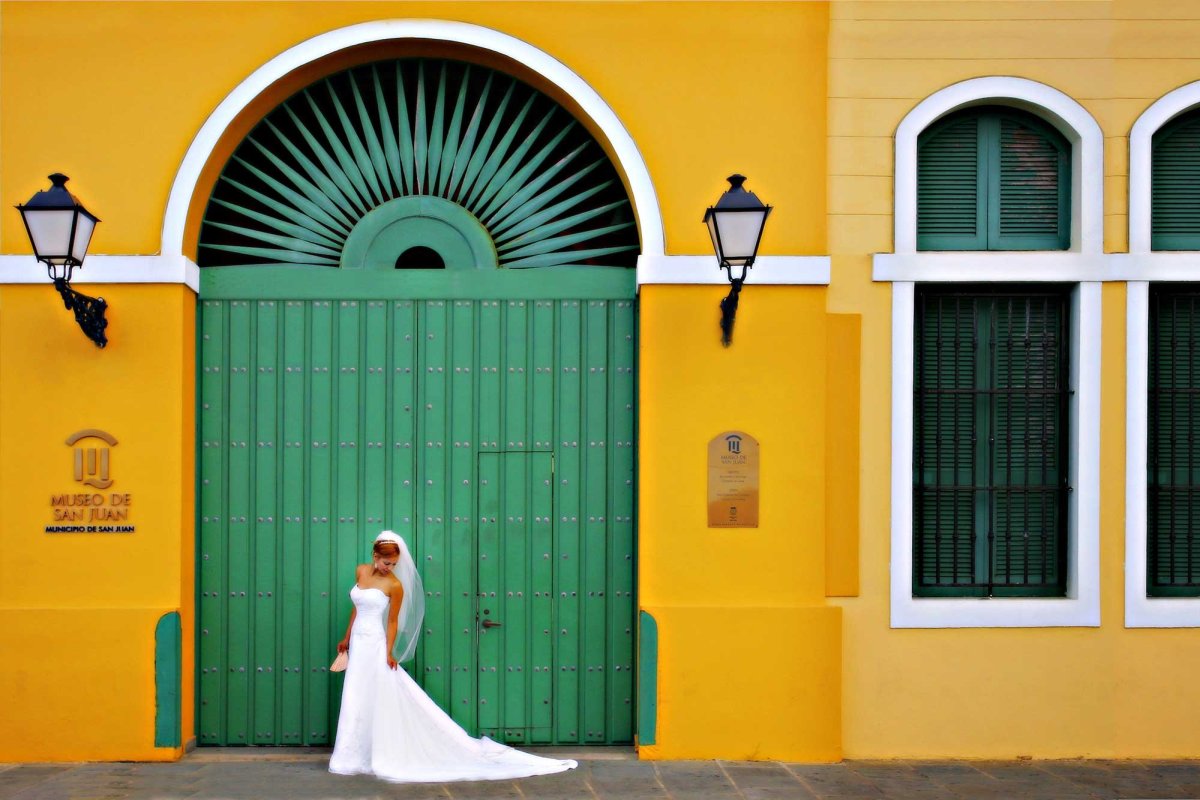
(647, 679)
(168, 657)
(323, 283)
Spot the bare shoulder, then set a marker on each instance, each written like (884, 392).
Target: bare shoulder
(360, 570)
(394, 585)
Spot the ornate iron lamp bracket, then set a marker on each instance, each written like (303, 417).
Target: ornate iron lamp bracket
(89, 311)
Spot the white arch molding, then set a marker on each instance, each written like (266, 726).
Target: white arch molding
(645, 200)
(1145, 266)
(1162, 111)
(1070, 118)
(1084, 265)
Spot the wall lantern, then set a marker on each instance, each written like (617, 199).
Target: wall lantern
(60, 229)
(736, 225)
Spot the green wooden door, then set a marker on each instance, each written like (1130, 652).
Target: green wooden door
(415, 278)
(496, 435)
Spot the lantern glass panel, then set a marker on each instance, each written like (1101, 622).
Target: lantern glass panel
(83, 237)
(739, 232)
(50, 232)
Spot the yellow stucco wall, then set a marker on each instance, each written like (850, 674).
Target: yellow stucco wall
(749, 654)
(155, 70)
(167, 65)
(79, 611)
(998, 693)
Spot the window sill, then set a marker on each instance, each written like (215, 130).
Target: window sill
(1162, 612)
(995, 612)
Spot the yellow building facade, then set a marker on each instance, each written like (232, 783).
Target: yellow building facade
(798, 639)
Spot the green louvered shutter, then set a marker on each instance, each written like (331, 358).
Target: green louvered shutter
(1031, 187)
(1175, 191)
(989, 490)
(1173, 457)
(950, 199)
(993, 179)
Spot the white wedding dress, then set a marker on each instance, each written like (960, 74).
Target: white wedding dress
(389, 727)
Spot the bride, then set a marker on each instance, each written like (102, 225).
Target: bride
(389, 727)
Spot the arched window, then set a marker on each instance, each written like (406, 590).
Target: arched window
(1173, 450)
(993, 178)
(991, 364)
(999, 210)
(1175, 185)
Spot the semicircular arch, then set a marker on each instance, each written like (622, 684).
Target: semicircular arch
(183, 198)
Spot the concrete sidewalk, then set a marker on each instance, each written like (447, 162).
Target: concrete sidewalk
(300, 774)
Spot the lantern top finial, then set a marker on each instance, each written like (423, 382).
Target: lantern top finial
(737, 196)
(56, 197)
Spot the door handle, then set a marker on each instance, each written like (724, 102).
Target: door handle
(487, 623)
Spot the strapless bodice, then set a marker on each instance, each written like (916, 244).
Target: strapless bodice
(371, 607)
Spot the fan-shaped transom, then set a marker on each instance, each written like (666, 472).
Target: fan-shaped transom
(472, 164)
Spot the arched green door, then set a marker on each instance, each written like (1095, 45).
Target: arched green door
(417, 314)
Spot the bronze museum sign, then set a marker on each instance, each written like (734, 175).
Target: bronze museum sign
(733, 481)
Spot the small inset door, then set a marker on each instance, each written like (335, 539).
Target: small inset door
(515, 605)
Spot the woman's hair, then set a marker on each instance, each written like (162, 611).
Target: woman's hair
(386, 549)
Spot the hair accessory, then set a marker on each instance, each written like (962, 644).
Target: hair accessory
(389, 536)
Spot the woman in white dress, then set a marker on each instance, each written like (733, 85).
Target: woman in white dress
(389, 727)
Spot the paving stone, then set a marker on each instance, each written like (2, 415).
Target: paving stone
(829, 779)
(490, 789)
(621, 791)
(796, 790)
(887, 769)
(944, 768)
(625, 769)
(699, 773)
(25, 775)
(600, 784)
(767, 775)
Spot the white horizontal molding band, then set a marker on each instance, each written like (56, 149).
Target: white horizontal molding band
(942, 267)
(1161, 266)
(107, 269)
(1063, 267)
(704, 270)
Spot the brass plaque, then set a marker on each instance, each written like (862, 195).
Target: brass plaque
(733, 481)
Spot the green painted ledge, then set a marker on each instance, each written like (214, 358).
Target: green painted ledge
(168, 655)
(647, 679)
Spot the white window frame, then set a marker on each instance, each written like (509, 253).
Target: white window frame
(1144, 267)
(1085, 265)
